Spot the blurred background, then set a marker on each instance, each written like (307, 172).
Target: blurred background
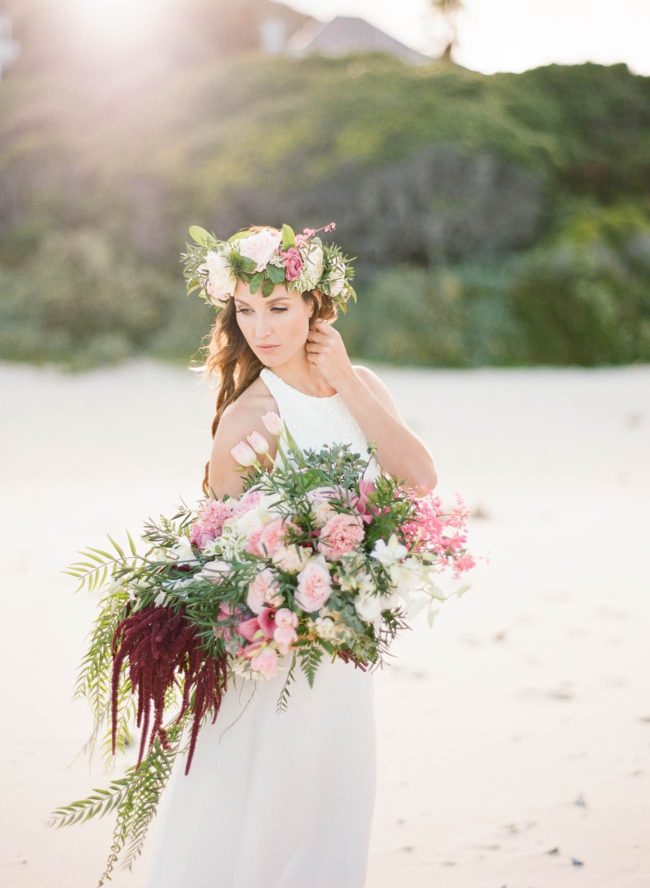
(499, 217)
(488, 163)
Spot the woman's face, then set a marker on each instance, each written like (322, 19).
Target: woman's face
(280, 320)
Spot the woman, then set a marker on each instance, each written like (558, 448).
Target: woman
(284, 799)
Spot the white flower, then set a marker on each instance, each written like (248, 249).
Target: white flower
(260, 247)
(313, 268)
(325, 627)
(336, 277)
(213, 570)
(368, 606)
(182, 552)
(221, 281)
(291, 558)
(390, 552)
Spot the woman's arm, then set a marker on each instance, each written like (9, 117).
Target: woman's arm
(399, 450)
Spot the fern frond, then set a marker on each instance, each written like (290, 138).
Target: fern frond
(283, 699)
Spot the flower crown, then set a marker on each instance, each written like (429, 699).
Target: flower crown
(265, 259)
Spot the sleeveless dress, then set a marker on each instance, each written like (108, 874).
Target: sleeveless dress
(278, 799)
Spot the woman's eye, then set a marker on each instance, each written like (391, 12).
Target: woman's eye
(247, 311)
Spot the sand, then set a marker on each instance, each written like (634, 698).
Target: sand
(513, 736)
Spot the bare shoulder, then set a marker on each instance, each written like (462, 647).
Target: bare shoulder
(238, 420)
(379, 389)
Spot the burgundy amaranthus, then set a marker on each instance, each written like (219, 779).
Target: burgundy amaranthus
(160, 642)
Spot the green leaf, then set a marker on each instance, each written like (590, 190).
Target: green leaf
(288, 237)
(201, 236)
(275, 274)
(248, 265)
(255, 281)
(267, 287)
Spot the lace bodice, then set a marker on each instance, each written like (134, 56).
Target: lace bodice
(314, 421)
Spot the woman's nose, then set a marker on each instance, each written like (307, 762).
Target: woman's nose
(262, 327)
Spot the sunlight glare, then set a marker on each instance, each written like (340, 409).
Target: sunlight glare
(116, 18)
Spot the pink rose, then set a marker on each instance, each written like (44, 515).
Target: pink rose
(340, 534)
(292, 263)
(252, 544)
(261, 590)
(272, 537)
(247, 502)
(314, 584)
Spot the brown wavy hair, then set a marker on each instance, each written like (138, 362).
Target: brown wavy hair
(232, 361)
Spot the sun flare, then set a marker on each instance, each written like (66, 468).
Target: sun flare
(116, 18)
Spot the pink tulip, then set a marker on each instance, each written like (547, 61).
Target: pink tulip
(243, 454)
(273, 422)
(258, 442)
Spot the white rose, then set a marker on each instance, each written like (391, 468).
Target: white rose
(260, 247)
(221, 280)
(291, 558)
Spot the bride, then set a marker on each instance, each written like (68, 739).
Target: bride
(284, 799)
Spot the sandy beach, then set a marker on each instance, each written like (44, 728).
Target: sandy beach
(513, 736)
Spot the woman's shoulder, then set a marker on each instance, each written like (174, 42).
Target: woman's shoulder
(253, 402)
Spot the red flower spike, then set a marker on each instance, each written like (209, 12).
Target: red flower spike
(159, 644)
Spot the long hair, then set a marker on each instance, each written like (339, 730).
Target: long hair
(233, 362)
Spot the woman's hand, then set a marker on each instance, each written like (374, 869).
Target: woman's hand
(326, 350)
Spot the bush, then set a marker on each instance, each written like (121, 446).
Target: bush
(77, 302)
(584, 298)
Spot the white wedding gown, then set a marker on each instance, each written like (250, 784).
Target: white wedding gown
(278, 799)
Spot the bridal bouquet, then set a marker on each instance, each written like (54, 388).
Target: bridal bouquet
(312, 560)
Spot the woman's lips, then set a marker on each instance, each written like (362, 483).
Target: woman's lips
(265, 347)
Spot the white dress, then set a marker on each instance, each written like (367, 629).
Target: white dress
(278, 799)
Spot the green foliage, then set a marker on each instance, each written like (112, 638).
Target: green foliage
(444, 182)
(584, 297)
(134, 797)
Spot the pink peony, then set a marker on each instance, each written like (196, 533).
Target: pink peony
(314, 584)
(340, 534)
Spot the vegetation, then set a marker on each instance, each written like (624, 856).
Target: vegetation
(499, 219)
